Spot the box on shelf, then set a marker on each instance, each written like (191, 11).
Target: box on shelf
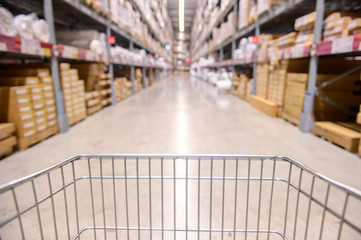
(243, 86)
(294, 97)
(354, 26)
(305, 22)
(262, 80)
(73, 91)
(249, 89)
(265, 5)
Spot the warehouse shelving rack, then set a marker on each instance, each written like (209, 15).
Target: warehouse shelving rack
(272, 20)
(18, 48)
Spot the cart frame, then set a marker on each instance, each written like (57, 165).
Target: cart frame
(249, 160)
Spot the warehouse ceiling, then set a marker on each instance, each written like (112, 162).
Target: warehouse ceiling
(181, 41)
(190, 7)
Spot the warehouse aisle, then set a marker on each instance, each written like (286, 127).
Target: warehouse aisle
(183, 115)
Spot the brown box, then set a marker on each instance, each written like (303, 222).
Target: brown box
(37, 96)
(6, 130)
(38, 104)
(339, 135)
(264, 105)
(6, 146)
(19, 81)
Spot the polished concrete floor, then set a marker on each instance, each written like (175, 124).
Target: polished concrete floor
(180, 115)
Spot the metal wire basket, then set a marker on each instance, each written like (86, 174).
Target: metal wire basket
(179, 197)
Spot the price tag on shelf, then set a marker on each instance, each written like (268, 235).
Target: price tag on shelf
(30, 47)
(342, 45)
(46, 52)
(298, 52)
(3, 47)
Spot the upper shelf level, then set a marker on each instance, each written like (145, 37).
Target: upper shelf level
(344, 47)
(75, 14)
(278, 19)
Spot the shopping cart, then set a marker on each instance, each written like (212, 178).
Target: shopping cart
(179, 197)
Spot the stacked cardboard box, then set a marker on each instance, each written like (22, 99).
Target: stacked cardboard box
(252, 11)
(287, 40)
(118, 87)
(73, 91)
(138, 79)
(354, 27)
(262, 80)
(244, 7)
(236, 81)
(305, 25)
(30, 107)
(249, 89)
(92, 102)
(90, 72)
(123, 88)
(294, 97)
(265, 5)
(7, 140)
(104, 89)
(336, 25)
(243, 86)
(34, 117)
(277, 85)
(265, 44)
(150, 77)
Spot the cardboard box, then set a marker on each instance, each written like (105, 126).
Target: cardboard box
(64, 66)
(6, 130)
(39, 113)
(19, 81)
(50, 116)
(305, 22)
(37, 96)
(38, 104)
(6, 146)
(264, 105)
(339, 135)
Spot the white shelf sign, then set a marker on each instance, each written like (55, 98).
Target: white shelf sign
(342, 45)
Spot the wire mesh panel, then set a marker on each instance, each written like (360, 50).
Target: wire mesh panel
(179, 197)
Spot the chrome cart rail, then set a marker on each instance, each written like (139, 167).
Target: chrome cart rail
(125, 196)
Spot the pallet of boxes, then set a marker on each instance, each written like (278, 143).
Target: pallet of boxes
(91, 73)
(123, 88)
(103, 86)
(27, 100)
(340, 25)
(73, 94)
(92, 102)
(138, 79)
(122, 81)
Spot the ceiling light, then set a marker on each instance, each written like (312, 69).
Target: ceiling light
(181, 15)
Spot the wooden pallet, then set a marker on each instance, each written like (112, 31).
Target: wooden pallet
(338, 135)
(291, 119)
(25, 143)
